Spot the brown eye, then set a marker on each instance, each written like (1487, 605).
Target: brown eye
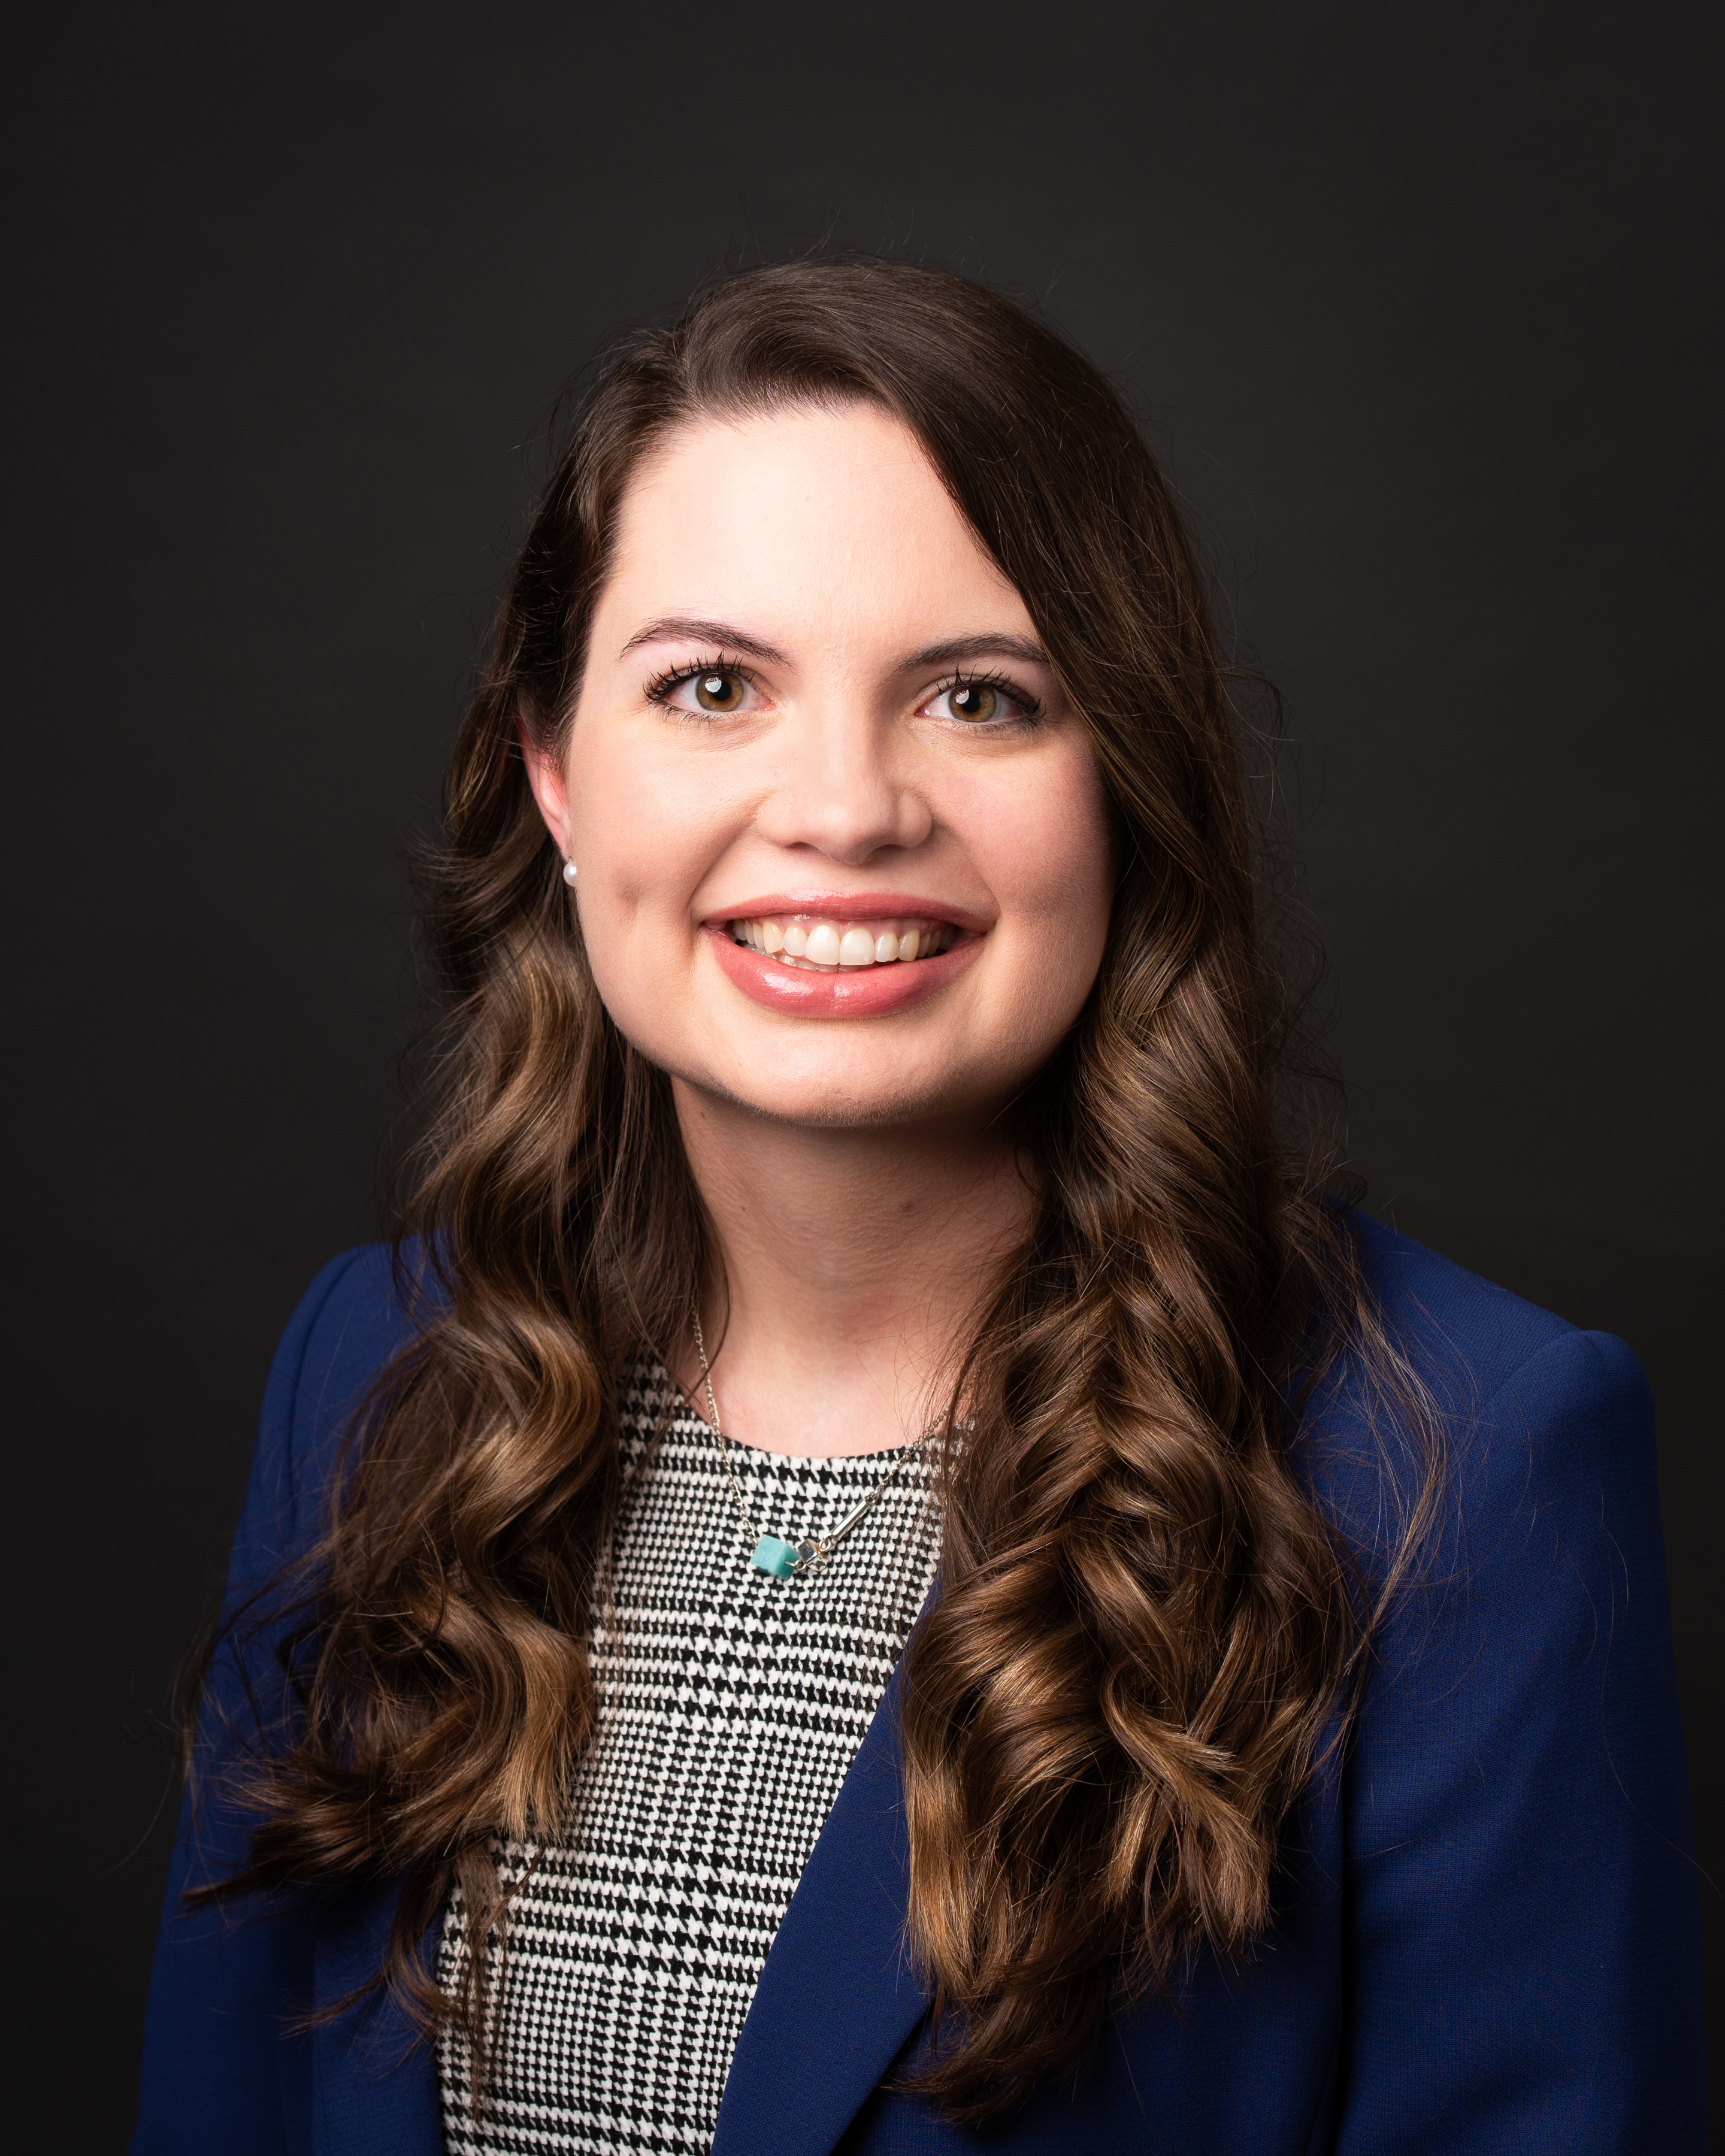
(975, 701)
(717, 692)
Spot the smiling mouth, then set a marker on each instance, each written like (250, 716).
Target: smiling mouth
(817, 943)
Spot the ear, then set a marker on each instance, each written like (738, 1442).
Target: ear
(550, 788)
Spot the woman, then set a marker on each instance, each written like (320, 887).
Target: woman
(858, 1204)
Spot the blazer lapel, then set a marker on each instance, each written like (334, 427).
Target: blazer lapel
(374, 2081)
(836, 2003)
(837, 1999)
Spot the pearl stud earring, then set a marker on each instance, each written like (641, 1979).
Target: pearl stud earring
(568, 871)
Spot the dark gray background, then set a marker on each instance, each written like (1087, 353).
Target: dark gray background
(1415, 303)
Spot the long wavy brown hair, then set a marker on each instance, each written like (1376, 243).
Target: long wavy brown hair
(1147, 1634)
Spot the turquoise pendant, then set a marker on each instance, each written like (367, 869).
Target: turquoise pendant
(774, 1556)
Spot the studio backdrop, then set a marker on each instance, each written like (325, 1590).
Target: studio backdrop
(1415, 304)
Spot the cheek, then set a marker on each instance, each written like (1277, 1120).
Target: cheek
(639, 842)
(1050, 861)
(624, 853)
(1053, 851)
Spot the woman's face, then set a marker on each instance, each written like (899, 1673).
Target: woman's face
(842, 850)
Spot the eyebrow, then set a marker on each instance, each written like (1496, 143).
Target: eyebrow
(988, 645)
(679, 626)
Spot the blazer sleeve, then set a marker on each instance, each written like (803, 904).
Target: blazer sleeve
(221, 2070)
(1523, 1942)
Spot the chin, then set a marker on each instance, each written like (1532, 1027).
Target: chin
(807, 1101)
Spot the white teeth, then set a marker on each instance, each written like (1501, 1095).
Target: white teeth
(856, 948)
(826, 946)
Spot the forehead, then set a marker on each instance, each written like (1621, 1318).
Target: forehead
(810, 523)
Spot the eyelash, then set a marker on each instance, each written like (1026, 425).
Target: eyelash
(1029, 709)
(659, 690)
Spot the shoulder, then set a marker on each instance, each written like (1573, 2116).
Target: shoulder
(1527, 1412)
(1523, 1450)
(1466, 1338)
(360, 1310)
(1520, 1901)
(1520, 1400)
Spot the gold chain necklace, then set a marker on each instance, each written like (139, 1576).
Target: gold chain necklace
(773, 1554)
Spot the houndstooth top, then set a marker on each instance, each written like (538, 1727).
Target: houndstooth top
(731, 1706)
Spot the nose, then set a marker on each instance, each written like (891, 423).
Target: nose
(844, 787)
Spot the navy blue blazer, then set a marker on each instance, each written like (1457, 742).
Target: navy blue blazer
(1486, 1935)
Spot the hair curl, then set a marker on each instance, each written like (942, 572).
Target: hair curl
(1147, 1628)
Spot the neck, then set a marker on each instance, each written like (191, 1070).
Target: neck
(854, 1260)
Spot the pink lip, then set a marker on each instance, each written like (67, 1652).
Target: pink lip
(846, 905)
(869, 992)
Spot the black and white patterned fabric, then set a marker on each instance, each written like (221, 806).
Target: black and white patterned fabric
(732, 1706)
